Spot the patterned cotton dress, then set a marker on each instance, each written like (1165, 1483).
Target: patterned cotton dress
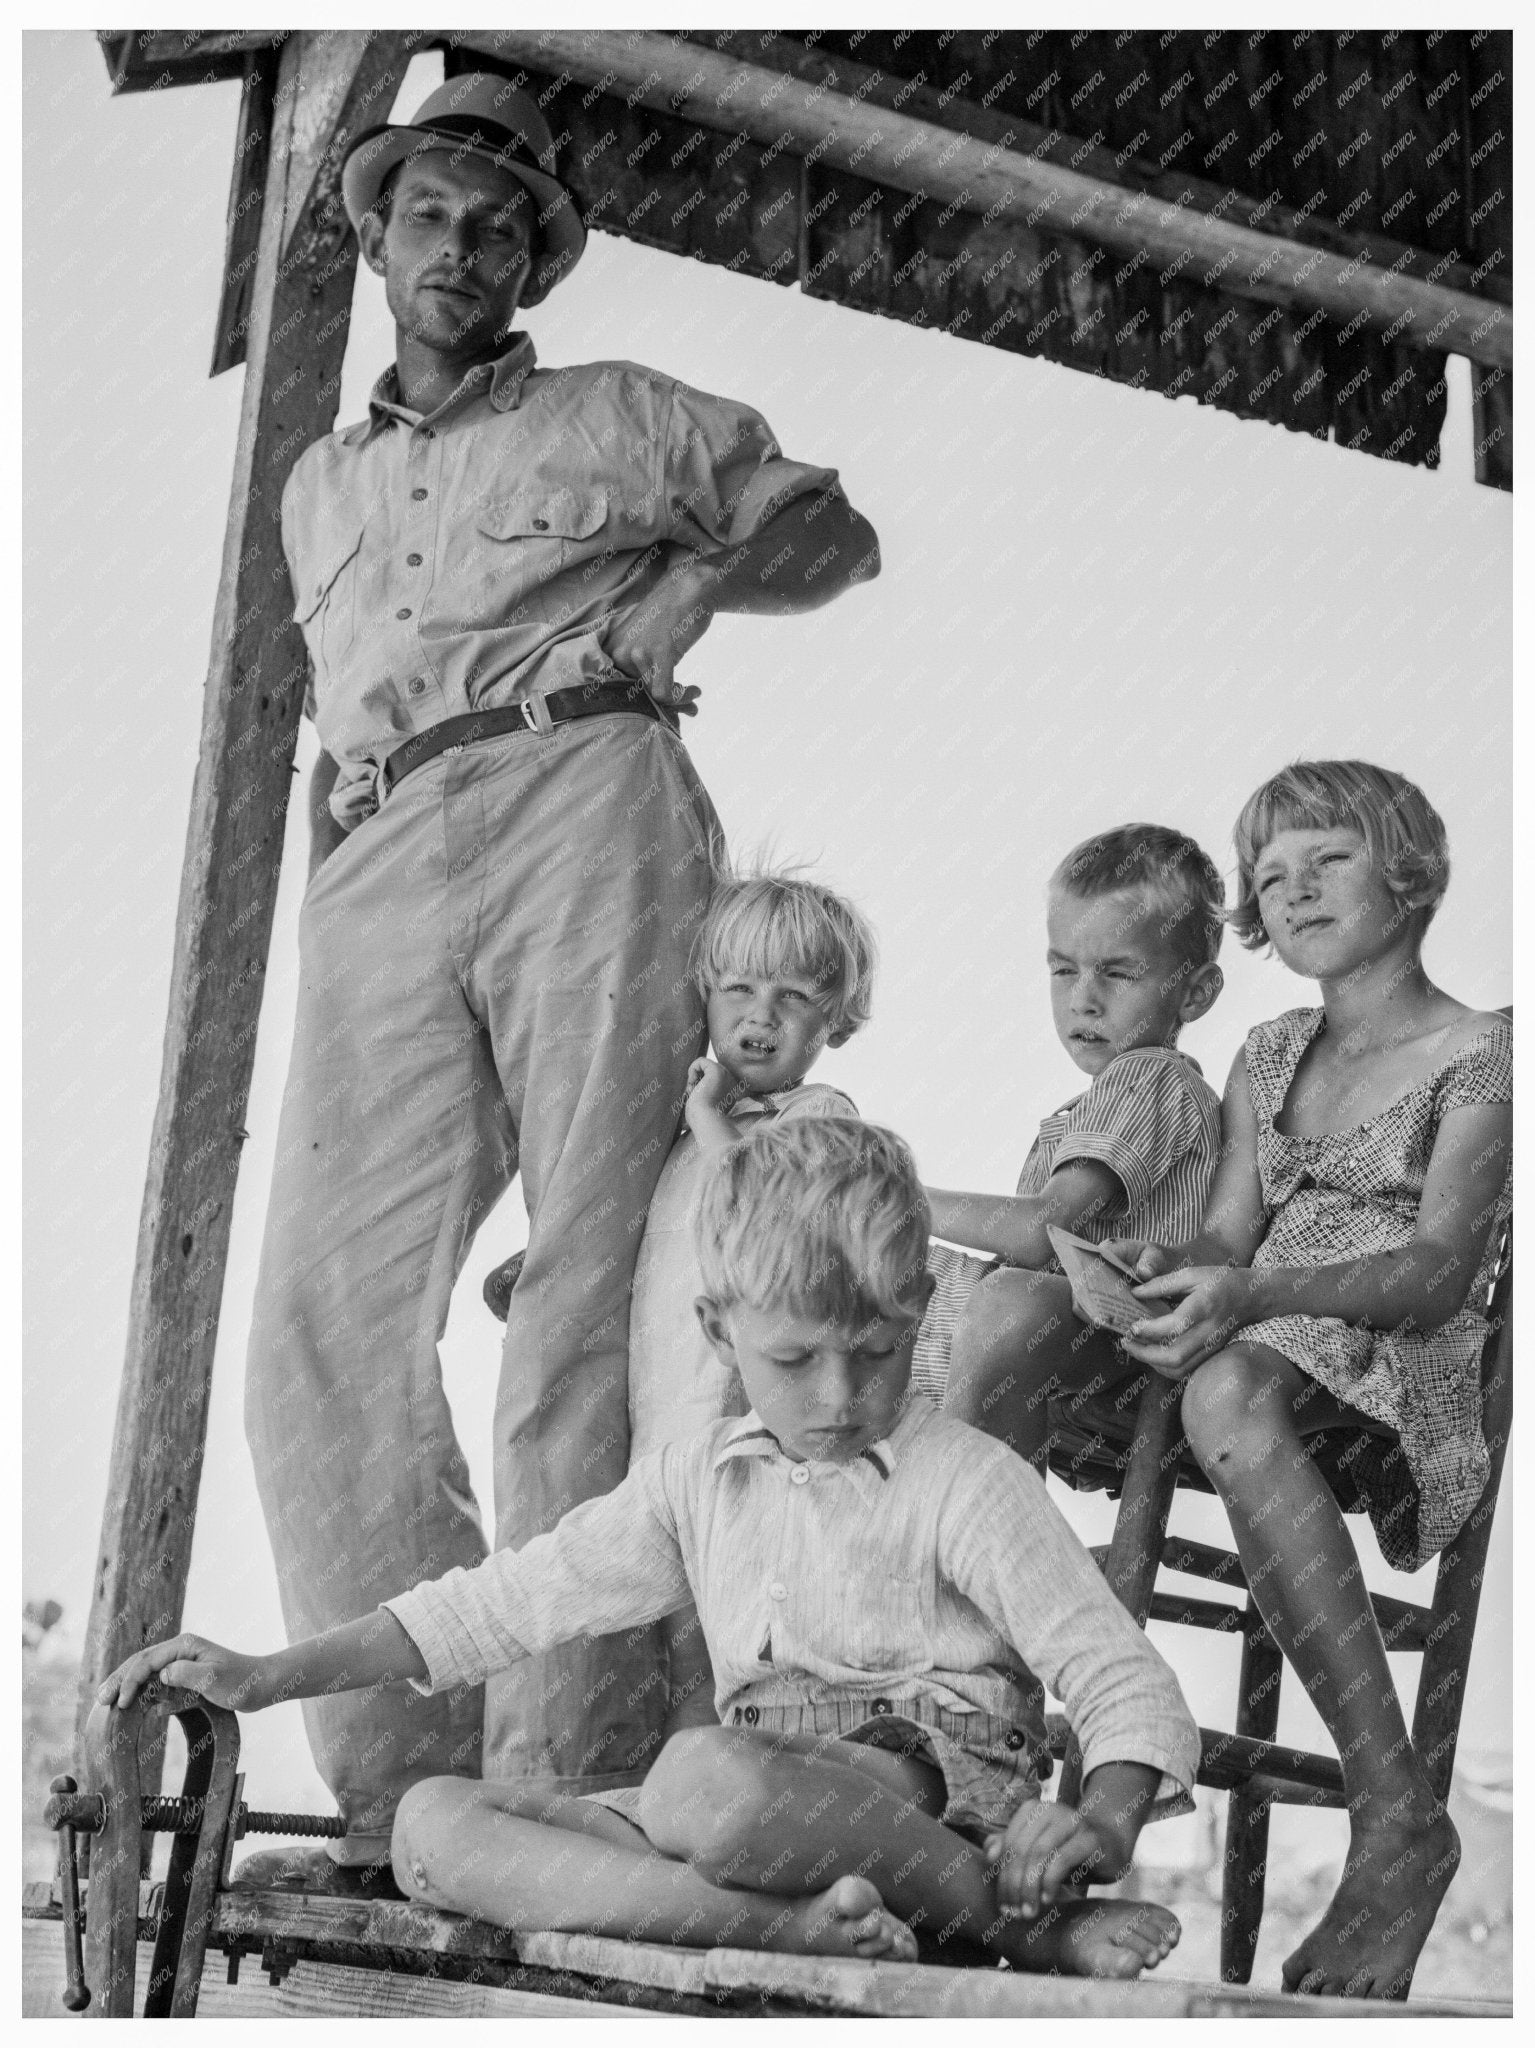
(1342, 1195)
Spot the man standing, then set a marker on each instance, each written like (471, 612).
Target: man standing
(496, 573)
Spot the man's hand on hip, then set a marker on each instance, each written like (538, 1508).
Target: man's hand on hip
(649, 641)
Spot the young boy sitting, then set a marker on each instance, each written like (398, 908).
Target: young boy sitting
(1134, 919)
(885, 1592)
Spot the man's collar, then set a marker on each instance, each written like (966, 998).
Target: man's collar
(751, 1438)
(505, 378)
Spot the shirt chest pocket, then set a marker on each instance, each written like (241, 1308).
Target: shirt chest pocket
(327, 603)
(521, 544)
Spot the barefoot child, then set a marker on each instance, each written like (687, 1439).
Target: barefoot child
(1134, 918)
(785, 968)
(1340, 1282)
(884, 1590)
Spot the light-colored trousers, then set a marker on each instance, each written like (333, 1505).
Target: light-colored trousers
(493, 979)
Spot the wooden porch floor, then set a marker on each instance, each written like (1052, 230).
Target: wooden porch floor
(443, 1963)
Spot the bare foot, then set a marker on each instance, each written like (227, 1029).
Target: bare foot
(1093, 1938)
(848, 1919)
(1366, 1944)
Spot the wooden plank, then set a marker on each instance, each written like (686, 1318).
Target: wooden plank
(253, 698)
(1490, 224)
(247, 185)
(148, 60)
(308, 1990)
(726, 1980)
(893, 148)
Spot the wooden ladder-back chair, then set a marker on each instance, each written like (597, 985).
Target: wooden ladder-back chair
(1254, 1770)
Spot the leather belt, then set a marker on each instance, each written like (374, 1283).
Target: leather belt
(592, 700)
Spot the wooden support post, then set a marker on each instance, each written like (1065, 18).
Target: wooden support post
(774, 108)
(330, 85)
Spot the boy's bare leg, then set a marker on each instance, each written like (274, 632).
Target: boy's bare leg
(1017, 1342)
(789, 1811)
(519, 1854)
(1244, 1411)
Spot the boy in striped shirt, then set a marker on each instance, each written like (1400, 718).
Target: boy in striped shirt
(1134, 918)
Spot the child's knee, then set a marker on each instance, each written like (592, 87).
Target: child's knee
(426, 1823)
(705, 1796)
(1226, 1410)
(1017, 1317)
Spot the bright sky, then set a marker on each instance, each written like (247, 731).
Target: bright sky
(1096, 605)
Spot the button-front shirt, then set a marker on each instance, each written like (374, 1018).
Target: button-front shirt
(935, 1565)
(475, 555)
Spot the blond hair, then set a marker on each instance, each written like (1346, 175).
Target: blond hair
(818, 1216)
(770, 924)
(1405, 836)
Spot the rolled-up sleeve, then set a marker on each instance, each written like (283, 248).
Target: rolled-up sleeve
(726, 476)
(1010, 1550)
(1138, 1119)
(611, 1563)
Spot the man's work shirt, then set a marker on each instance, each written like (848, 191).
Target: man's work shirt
(933, 1572)
(476, 555)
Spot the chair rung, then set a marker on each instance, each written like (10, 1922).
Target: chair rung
(1203, 1561)
(1191, 1612)
(1229, 1760)
(1403, 1624)
(1283, 1792)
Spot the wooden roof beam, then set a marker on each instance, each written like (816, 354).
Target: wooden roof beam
(780, 110)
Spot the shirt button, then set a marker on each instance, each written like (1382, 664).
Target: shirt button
(798, 1474)
(749, 1716)
(419, 491)
(417, 685)
(403, 612)
(779, 1590)
(413, 561)
(879, 1707)
(540, 525)
(1014, 1738)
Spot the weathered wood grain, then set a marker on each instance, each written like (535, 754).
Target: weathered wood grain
(730, 1981)
(328, 84)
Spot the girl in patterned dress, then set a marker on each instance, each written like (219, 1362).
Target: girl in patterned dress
(1340, 1282)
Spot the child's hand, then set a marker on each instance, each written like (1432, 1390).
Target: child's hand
(1136, 1256)
(1212, 1305)
(196, 1665)
(1047, 1845)
(351, 803)
(709, 1087)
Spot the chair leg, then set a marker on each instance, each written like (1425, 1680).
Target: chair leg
(1243, 1879)
(1458, 1590)
(1140, 1528)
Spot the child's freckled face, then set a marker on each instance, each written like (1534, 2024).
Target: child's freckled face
(826, 1390)
(1115, 982)
(767, 1030)
(1323, 904)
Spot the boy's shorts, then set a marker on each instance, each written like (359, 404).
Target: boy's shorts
(1106, 1402)
(957, 1274)
(989, 1770)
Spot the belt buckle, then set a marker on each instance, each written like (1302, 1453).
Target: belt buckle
(535, 713)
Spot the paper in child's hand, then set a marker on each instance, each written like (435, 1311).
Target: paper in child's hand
(1099, 1292)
